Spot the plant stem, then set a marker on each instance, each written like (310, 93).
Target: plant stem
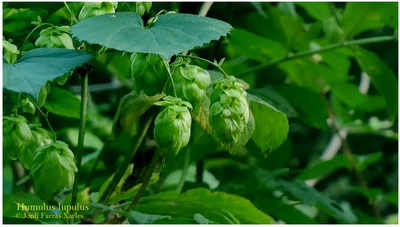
(45, 117)
(185, 170)
(204, 60)
(29, 35)
(323, 49)
(349, 155)
(73, 18)
(170, 77)
(96, 162)
(205, 8)
(81, 136)
(145, 182)
(121, 170)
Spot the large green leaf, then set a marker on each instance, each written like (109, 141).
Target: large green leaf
(272, 125)
(63, 103)
(38, 66)
(218, 207)
(350, 95)
(309, 104)
(256, 47)
(299, 191)
(318, 10)
(170, 34)
(362, 16)
(382, 77)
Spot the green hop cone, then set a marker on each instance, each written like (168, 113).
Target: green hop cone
(16, 133)
(53, 169)
(44, 91)
(190, 82)
(172, 126)
(25, 103)
(229, 110)
(91, 9)
(143, 7)
(10, 51)
(55, 37)
(40, 137)
(148, 73)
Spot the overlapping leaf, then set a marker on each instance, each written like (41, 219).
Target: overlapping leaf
(218, 207)
(171, 33)
(38, 66)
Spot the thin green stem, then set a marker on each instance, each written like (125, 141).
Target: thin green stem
(121, 170)
(45, 117)
(145, 182)
(73, 18)
(311, 52)
(96, 162)
(204, 60)
(170, 77)
(30, 34)
(81, 136)
(185, 170)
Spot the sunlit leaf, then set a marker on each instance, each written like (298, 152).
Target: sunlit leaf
(382, 77)
(271, 125)
(218, 207)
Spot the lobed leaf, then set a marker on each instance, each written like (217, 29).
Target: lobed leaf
(170, 34)
(38, 66)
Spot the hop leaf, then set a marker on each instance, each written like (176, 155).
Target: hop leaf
(148, 73)
(53, 169)
(55, 37)
(40, 137)
(190, 82)
(229, 111)
(172, 126)
(16, 133)
(91, 9)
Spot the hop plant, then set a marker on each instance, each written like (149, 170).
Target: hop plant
(44, 91)
(40, 137)
(172, 126)
(229, 110)
(55, 37)
(143, 7)
(91, 9)
(190, 82)
(16, 133)
(53, 169)
(10, 51)
(26, 104)
(148, 73)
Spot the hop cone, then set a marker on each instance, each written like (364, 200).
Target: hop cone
(172, 126)
(229, 110)
(53, 169)
(148, 73)
(55, 37)
(40, 137)
(91, 9)
(191, 82)
(16, 133)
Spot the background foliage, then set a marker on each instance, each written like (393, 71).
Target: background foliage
(329, 68)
